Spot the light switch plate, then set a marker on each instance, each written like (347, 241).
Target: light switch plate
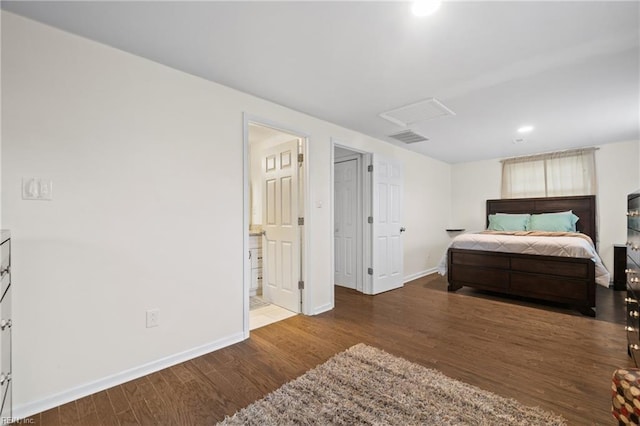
(37, 189)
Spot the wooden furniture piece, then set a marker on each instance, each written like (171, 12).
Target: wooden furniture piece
(5, 325)
(255, 256)
(619, 267)
(632, 275)
(557, 279)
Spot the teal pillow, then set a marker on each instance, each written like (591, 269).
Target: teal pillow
(508, 222)
(554, 222)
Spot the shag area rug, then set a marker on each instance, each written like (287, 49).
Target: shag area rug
(365, 385)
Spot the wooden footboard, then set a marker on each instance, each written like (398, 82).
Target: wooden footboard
(556, 279)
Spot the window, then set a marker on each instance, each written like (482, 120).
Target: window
(550, 175)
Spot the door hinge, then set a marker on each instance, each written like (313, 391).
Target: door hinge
(300, 158)
(370, 219)
(370, 271)
(300, 285)
(301, 221)
(370, 168)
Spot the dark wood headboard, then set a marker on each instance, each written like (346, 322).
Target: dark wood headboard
(583, 206)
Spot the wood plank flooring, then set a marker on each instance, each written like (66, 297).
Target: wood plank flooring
(541, 355)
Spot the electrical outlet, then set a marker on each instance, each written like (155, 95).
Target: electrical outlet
(153, 318)
(46, 189)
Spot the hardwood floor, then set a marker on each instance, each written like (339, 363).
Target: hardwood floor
(541, 355)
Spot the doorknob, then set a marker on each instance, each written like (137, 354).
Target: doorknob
(403, 229)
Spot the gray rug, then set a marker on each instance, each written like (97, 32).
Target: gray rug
(365, 385)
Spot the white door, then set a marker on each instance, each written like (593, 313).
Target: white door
(281, 243)
(387, 253)
(345, 222)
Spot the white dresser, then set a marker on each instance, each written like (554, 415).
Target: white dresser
(255, 256)
(5, 325)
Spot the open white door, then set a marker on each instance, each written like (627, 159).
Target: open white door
(281, 241)
(386, 249)
(345, 222)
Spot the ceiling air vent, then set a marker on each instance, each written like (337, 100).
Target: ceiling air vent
(418, 112)
(408, 136)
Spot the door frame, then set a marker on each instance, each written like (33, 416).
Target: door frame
(363, 280)
(303, 199)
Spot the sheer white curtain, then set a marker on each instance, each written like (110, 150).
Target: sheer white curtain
(549, 175)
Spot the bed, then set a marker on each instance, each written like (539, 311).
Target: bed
(556, 278)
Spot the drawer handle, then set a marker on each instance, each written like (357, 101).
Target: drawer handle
(5, 271)
(4, 378)
(634, 347)
(633, 314)
(5, 324)
(630, 300)
(633, 213)
(630, 271)
(634, 280)
(628, 328)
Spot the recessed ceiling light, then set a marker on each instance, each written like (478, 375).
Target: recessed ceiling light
(525, 129)
(425, 7)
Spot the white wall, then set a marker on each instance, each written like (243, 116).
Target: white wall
(472, 185)
(147, 165)
(618, 174)
(617, 170)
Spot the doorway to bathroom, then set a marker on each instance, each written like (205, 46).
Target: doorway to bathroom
(275, 209)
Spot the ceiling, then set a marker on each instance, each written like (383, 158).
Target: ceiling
(570, 69)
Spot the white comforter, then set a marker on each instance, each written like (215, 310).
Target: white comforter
(548, 246)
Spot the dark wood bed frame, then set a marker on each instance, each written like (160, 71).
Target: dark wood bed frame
(557, 279)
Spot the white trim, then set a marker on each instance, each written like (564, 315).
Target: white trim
(367, 231)
(332, 190)
(324, 308)
(306, 213)
(246, 263)
(107, 382)
(420, 274)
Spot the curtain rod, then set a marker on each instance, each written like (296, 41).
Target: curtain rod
(547, 154)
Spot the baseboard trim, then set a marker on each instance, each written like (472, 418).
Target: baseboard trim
(31, 408)
(419, 275)
(322, 308)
